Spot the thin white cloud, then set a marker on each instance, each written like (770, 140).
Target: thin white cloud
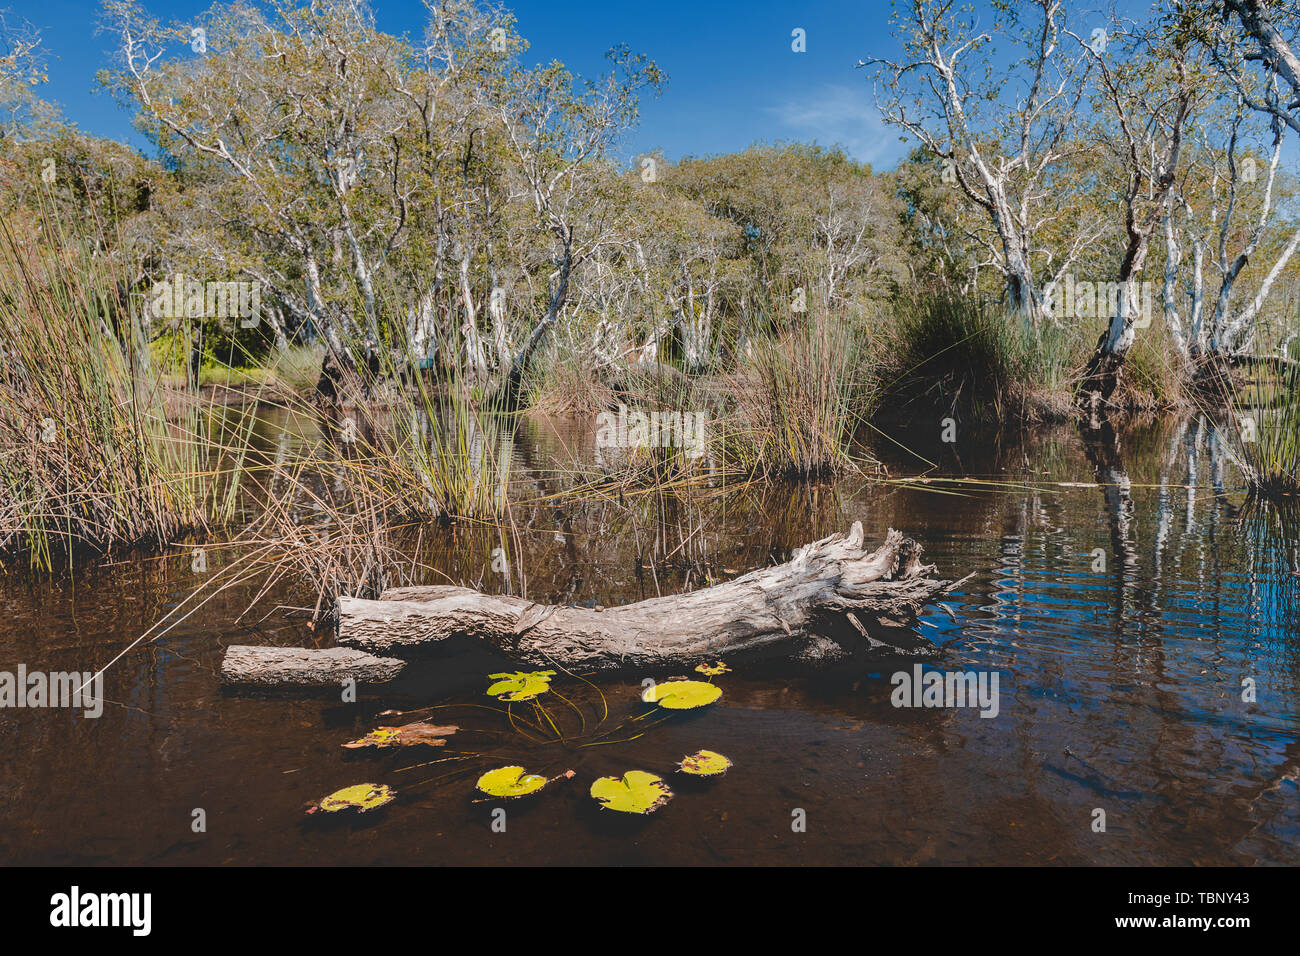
(841, 114)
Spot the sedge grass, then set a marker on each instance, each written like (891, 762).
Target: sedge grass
(1268, 419)
(93, 454)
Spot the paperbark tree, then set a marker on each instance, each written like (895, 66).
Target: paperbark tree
(1274, 28)
(558, 138)
(1254, 44)
(1149, 90)
(1228, 212)
(22, 70)
(1003, 140)
(283, 113)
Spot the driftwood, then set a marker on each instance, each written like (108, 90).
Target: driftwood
(280, 666)
(789, 607)
(882, 590)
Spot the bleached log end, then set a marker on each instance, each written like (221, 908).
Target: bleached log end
(305, 667)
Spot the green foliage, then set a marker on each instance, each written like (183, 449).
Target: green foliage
(959, 351)
(957, 344)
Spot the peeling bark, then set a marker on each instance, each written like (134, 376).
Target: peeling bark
(879, 592)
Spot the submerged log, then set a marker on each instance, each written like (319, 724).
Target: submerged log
(279, 666)
(880, 592)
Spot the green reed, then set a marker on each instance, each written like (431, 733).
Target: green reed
(95, 451)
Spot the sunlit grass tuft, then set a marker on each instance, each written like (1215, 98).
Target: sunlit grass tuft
(93, 454)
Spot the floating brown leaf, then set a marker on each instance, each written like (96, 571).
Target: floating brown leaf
(417, 734)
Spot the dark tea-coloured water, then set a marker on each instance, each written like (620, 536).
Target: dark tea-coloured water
(1122, 595)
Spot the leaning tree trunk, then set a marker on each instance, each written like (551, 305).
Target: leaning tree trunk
(505, 394)
(1102, 375)
(797, 606)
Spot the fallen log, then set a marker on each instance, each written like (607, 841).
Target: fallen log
(880, 592)
(306, 667)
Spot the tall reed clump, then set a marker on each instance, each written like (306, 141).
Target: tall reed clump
(347, 515)
(569, 381)
(88, 456)
(1268, 418)
(1154, 375)
(962, 352)
(432, 445)
(800, 396)
(325, 528)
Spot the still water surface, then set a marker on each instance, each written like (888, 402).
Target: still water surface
(1120, 687)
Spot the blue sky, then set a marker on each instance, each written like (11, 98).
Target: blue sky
(733, 78)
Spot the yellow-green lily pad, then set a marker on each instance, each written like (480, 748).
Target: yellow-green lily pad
(682, 694)
(360, 797)
(520, 685)
(510, 782)
(712, 670)
(635, 792)
(705, 763)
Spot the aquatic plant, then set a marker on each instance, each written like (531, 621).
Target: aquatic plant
(513, 782)
(520, 685)
(712, 670)
(682, 694)
(361, 797)
(800, 396)
(1268, 424)
(635, 792)
(705, 763)
(375, 473)
(959, 352)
